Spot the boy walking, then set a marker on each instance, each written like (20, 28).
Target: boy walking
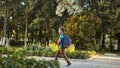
(61, 49)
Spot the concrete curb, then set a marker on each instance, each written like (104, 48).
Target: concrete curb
(93, 57)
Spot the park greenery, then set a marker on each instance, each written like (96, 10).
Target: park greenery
(30, 27)
(17, 58)
(90, 23)
(39, 50)
(14, 57)
(12, 62)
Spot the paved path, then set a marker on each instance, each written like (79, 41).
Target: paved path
(96, 62)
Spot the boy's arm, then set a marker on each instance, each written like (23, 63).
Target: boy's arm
(59, 40)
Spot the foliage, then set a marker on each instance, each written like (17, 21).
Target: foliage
(17, 58)
(12, 50)
(39, 50)
(81, 54)
(82, 28)
(71, 6)
(106, 10)
(86, 21)
(48, 52)
(6, 49)
(15, 62)
(54, 47)
(42, 51)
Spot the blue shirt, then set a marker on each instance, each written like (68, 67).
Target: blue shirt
(62, 40)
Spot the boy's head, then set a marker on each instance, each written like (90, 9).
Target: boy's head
(61, 30)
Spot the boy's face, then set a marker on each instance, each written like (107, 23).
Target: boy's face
(59, 31)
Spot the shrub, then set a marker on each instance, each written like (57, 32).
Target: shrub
(12, 62)
(18, 59)
(7, 49)
(38, 50)
(81, 54)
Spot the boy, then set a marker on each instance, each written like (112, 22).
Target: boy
(61, 49)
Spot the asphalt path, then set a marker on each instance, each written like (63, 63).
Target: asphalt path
(100, 61)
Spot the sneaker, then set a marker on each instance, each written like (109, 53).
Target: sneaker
(68, 64)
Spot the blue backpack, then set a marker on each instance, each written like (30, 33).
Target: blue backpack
(67, 41)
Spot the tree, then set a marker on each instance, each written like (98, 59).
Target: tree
(104, 9)
(71, 6)
(82, 29)
(117, 27)
(6, 8)
(44, 19)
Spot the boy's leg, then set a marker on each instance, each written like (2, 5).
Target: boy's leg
(57, 54)
(62, 51)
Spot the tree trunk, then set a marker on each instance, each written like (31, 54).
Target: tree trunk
(25, 41)
(118, 48)
(111, 46)
(103, 41)
(98, 37)
(32, 35)
(3, 39)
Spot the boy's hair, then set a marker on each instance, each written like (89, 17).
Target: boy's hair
(62, 28)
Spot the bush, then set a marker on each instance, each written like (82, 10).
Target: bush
(38, 50)
(7, 49)
(18, 59)
(81, 54)
(15, 62)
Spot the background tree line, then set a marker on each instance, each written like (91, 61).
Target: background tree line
(87, 22)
